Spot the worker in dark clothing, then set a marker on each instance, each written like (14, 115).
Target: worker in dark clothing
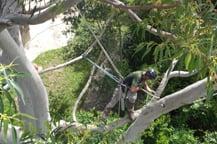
(128, 90)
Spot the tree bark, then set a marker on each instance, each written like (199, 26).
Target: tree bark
(35, 95)
(49, 13)
(171, 102)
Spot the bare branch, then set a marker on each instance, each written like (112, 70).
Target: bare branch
(62, 65)
(37, 9)
(181, 74)
(84, 90)
(165, 79)
(148, 113)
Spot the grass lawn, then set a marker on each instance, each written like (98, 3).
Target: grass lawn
(63, 85)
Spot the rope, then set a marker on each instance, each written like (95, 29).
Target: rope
(115, 78)
(103, 70)
(110, 60)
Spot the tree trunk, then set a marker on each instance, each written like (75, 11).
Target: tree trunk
(35, 95)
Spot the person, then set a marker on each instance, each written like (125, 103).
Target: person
(128, 89)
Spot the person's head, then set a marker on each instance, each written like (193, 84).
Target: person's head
(150, 74)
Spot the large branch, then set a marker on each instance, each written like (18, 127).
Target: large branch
(136, 18)
(146, 114)
(34, 92)
(151, 111)
(171, 102)
(41, 17)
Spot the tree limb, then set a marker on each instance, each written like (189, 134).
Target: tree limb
(146, 114)
(165, 79)
(62, 65)
(38, 9)
(181, 74)
(49, 13)
(151, 111)
(136, 18)
(171, 102)
(84, 90)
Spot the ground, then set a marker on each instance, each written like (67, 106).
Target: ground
(46, 36)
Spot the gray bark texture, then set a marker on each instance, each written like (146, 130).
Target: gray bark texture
(153, 110)
(35, 95)
(49, 13)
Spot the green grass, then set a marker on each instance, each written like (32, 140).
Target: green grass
(63, 85)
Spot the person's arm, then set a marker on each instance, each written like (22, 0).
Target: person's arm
(146, 87)
(134, 87)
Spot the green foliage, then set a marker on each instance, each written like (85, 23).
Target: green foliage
(210, 138)
(161, 132)
(158, 132)
(182, 136)
(63, 85)
(194, 25)
(201, 116)
(9, 90)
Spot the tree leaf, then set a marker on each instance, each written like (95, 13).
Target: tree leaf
(5, 128)
(17, 89)
(24, 115)
(10, 99)
(1, 105)
(14, 135)
(187, 60)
